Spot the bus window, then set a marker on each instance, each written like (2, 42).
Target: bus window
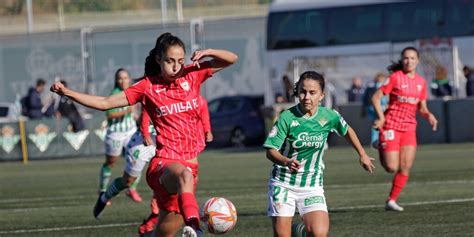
(414, 20)
(359, 24)
(459, 18)
(297, 29)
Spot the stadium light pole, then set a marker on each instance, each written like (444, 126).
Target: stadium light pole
(179, 10)
(164, 12)
(29, 9)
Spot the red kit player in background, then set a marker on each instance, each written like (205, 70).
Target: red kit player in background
(170, 92)
(407, 93)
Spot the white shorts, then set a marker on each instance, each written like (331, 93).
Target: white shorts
(137, 155)
(283, 199)
(115, 142)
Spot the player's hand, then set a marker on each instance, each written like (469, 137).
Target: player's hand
(147, 141)
(293, 164)
(378, 123)
(366, 162)
(433, 121)
(209, 136)
(58, 88)
(198, 55)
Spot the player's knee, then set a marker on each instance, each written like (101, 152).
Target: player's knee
(390, 168)
(186, 178)
(316, 231)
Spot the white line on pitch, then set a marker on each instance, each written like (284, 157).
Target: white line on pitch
(404, 204)
(68, 228)
(136, 223)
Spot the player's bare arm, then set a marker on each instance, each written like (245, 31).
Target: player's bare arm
(91, 101)
(221, 58)
(425, 113)
(276, 157)
(376, 98)
(364, 160)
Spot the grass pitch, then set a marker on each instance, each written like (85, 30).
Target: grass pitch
(55, 197)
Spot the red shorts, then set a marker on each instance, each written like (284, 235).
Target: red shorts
(392, 140)
(166, 201)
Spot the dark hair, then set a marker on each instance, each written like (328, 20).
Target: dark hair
(309, 75)
(116, 85)
(40, 82)
(63, 82)
(397, 66)
(163, 43)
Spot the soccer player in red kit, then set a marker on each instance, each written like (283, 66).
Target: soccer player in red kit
(407, 93)
(204, 135)
(170, 93)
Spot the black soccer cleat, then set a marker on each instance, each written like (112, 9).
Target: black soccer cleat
(99, 206)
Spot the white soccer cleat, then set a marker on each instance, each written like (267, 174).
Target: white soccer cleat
(392, 206)
(188, 231)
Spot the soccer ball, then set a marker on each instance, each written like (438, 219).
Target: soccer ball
(219, 215)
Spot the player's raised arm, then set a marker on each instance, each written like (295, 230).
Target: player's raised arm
(365, 160)
(91, 101)
(220, 58)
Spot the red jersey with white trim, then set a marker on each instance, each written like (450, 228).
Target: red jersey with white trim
(405, 93)
(173, 109)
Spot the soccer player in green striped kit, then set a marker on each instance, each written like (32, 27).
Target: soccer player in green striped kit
(120, 128)
(295, 145)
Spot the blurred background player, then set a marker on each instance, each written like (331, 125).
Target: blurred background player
(297, 178)
(407, 92)
(368, 108)
(120, 128)
(139, 150)
(170, 91)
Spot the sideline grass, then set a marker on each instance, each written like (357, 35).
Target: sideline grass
(55, 197)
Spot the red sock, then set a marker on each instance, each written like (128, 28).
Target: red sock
(399, 182)
(189, 209)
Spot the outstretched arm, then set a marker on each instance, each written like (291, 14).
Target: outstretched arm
(425, 113)
(364, 160)
(220, 58)
(91, 101)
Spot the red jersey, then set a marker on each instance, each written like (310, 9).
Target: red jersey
(173, 109)
(405, 93)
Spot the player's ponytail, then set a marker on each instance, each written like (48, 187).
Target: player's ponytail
(163, 42)
(309, 75)
(397, 66)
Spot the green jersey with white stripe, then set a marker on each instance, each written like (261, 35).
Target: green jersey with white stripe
(303, 138)
(123, 124)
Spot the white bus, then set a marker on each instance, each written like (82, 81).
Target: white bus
(343, 39)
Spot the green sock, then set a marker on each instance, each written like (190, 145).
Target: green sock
(114, 188)
(105, 173)
(135, 184)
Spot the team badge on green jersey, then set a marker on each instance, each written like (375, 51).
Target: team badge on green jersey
(322, 122)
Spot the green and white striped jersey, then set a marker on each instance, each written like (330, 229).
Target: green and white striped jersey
(302, 137)
(123, 124)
